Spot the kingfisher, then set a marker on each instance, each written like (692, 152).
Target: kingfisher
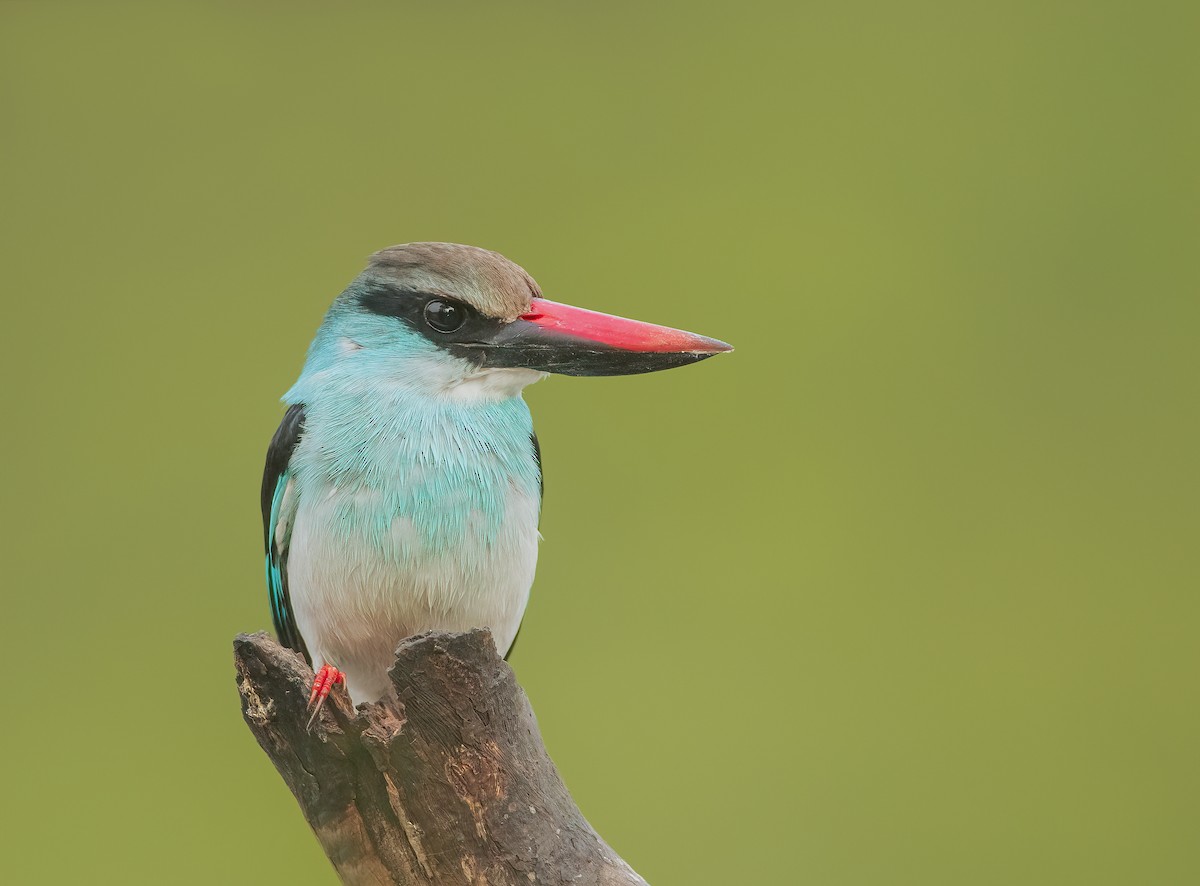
(403, 488)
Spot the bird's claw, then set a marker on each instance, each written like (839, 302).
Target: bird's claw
(323, 682)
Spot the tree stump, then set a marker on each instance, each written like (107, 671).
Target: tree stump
(444, 781)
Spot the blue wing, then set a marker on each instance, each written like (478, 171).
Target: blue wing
(277, 510)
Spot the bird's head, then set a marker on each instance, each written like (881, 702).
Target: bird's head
(462, 320)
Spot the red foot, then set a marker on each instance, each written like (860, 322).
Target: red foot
(324, 681)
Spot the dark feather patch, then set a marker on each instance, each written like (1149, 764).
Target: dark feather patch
(537, 457)
(279, 454)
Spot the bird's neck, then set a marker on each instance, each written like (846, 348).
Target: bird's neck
(374, 419)
(361, 432)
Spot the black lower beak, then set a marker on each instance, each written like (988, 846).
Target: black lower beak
(553, 337)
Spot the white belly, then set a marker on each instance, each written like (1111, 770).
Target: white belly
(354, 603)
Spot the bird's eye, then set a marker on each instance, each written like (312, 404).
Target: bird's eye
(444, 316)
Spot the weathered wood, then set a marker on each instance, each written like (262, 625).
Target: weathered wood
(446, 782)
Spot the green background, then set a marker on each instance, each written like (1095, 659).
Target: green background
(902, 592)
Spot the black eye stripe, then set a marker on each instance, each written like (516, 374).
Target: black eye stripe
(393, 301)
(410, 306)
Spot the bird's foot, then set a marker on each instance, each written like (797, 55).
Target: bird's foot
(323, 682)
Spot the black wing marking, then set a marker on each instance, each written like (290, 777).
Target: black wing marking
(274, 488)
(537, 457)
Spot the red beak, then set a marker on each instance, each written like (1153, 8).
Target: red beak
(553, 337)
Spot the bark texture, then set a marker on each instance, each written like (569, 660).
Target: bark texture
(447, 781)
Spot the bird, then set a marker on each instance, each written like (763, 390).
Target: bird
(402, 490)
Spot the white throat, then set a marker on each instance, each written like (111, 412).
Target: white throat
(491, 384)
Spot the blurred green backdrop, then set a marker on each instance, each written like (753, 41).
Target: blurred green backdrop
(902, 592)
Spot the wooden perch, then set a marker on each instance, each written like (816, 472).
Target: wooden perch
(446, 782)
